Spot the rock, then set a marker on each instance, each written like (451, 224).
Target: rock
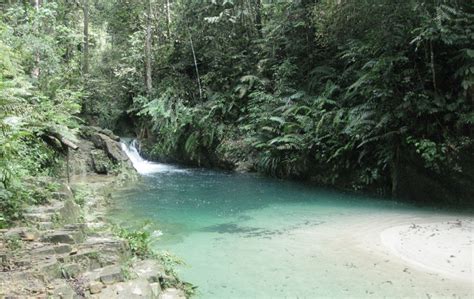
(107, 132)
(24, 233)
(244, 166)
(111, 147)
(38, 217)
(63, 248)
(95, 287)
(155, 289)
(100, 161)
(137, 288)
(29, 235)
(172, 293)
(112, 276)
(63, 290)
(71, 271)
(45, 225)
(15, 233)
(107, 275)
(70, 212)
(151, 270)
(59, 237)
(45, 250)
(50, 269)
(99, 152)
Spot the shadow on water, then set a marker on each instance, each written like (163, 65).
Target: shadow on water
(256, 232)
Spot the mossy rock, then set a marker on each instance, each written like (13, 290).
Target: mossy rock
(100, 162)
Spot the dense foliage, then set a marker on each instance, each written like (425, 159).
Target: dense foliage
(39, 97)
(359, 94)
(344, 92)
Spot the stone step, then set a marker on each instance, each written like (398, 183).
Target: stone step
(137, 288)
(151, 270)
(45, 225)
(53, 249)
(73, 270)
(39, 217)
(23, 233)
(107, 275)
(60, 288)
(89, 257)
(65, 236)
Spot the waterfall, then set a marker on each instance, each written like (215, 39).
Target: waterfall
(143, 166)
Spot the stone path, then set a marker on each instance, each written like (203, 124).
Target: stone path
(64, 250)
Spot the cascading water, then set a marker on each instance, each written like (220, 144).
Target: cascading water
(143, 166)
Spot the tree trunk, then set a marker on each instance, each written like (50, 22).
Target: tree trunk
(395, 172)
(85, 8)
(36, 68)
(148, 82)
(168, 18)
(258, 16)
(196, 66)
(433, 68)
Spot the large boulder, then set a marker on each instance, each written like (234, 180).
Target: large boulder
(110, 146)
(99, 151)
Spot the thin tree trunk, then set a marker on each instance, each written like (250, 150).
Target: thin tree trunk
(433, 70)
(395, 175)
(85, 8)
(36, 69)
(196, 66)
(68, 172)
(148, 81)
(168, 18)
(258, 17)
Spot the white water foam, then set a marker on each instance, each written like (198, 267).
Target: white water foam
(143, 166)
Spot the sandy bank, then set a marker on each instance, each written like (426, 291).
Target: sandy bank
(445, 247)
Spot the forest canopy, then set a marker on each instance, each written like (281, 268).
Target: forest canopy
(372, 95)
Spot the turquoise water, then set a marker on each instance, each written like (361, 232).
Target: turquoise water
(246, 236)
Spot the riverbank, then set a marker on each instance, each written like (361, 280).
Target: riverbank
(444, 247)
(65, 248)
(402, 255)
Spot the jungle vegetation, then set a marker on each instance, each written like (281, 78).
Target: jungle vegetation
(348, 93)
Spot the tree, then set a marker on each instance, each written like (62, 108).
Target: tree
(36, 69)
(148, 41)
(85, 9)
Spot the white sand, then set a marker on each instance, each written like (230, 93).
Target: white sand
(445, 247)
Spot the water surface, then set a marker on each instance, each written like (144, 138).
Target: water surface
(247, 236)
